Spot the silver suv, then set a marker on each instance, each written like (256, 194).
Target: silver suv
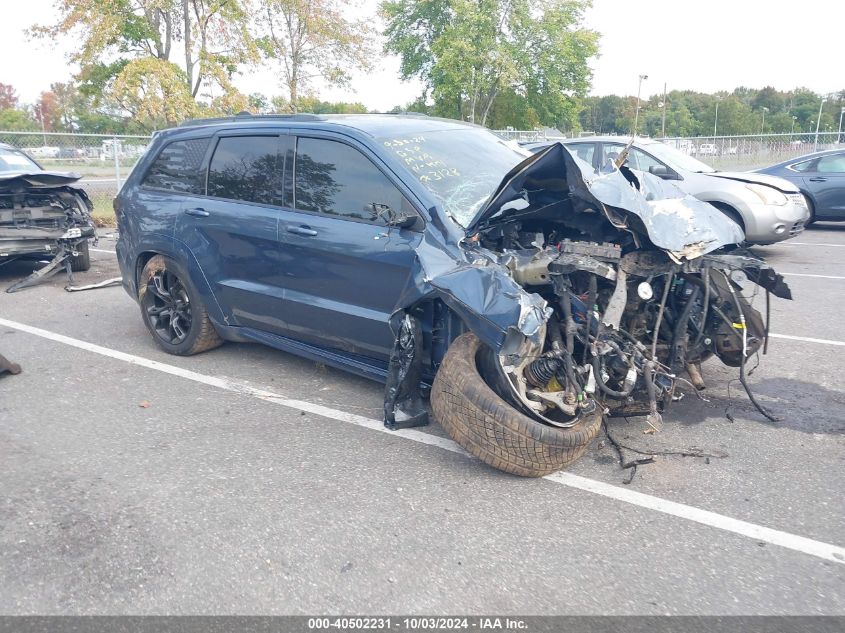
(769, 209)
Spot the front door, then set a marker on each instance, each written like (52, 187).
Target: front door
(233, 230)
(344, 268)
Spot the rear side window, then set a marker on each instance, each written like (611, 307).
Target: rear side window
(335, 179)
(584, 151)
(246, 168)
(177, 167)
(806, 165)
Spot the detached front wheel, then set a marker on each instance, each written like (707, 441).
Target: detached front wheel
(478, 419)
(173, 310)
(81, 262)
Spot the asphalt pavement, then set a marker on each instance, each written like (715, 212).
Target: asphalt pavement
(245, 480)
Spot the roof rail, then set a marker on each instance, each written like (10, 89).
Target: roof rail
(247, 116)
(404, 113)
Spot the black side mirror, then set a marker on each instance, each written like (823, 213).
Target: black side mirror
(662, 171)
(399, 219)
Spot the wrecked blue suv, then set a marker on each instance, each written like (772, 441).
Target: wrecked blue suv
(530, 293)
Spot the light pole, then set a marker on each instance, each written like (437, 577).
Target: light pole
(818, 122)
(40, 107)
(792, 130)
(663, 107)
(716, 119)
(839, 133)
(764, 109)
(637, 113)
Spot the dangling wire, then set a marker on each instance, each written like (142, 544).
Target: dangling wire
(742, 377)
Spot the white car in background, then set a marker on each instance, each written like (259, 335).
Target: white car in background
(768, 208)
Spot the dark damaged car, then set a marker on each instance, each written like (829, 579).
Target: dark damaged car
(531, 294)
(43, 215)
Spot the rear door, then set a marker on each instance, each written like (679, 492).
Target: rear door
(826, 181)
(344, 269)
(233, 231)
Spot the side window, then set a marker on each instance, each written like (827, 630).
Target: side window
(333, 178)
(638, 159)
(246, 168)
(584, 151)
(806, 165)
(611, 151)
(177, 167)
(831, 164)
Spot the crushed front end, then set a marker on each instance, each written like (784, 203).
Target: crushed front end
(41, 214)
(638, 287)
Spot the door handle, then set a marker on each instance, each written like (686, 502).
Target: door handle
(818, 179)
(302, 230)
(198, 212)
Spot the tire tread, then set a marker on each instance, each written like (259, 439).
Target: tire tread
(489, 428)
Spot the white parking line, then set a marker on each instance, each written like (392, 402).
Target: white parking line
(102, 250)
(791, 243)
(826, 551)
(809, 275)
(807, 339)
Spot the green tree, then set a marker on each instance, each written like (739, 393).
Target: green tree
(17, 120)
(469, 53)
(120, 40)
(310, 40)
(154, 93)
(313, 105)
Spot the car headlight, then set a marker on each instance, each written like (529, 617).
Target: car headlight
(769, 195)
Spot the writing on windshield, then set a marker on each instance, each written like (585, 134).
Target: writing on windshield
(426, 167)
(460, 166)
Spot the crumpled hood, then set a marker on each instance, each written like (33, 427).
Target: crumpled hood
(674, 221)
(9, 179)
(763, 179)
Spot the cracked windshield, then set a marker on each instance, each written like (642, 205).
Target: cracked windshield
(461, 167)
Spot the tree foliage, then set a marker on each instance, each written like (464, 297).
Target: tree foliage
(312, 39)
(154, 92)
(743, 111)
(8, 97)
(122, 42)
(470, 53)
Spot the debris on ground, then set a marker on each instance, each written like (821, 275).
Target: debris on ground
(7, 366)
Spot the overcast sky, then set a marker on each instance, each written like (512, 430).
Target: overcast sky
(703, 45)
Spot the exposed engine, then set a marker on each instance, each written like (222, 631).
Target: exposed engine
(40, 214)
(627, 321)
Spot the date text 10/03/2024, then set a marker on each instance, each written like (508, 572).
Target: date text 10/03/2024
(417, 623)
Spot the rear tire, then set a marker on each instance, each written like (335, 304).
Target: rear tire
(492, 430)
(173, 310)
(81, 262)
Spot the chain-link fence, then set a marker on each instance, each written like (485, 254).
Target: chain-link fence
(738, 153)
(103, 161)
(750, 152)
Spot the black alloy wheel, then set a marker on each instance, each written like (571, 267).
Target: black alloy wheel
(168, 307)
